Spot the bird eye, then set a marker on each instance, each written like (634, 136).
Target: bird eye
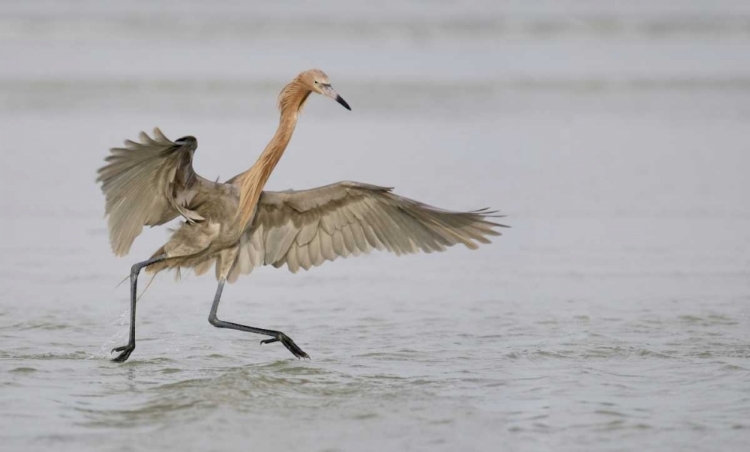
(316, 82)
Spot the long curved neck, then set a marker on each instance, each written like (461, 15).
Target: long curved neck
(252, 181)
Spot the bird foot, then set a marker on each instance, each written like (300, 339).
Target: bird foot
(125, 350)
(288, 343)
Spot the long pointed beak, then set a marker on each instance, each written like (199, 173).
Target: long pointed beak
(328, 91)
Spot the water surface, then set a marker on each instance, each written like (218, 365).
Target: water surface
(614, 315)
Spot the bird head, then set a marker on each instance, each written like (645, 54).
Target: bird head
(318, 82)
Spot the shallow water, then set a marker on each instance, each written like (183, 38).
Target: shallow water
(613, 315)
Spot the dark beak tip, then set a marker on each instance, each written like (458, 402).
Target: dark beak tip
(341, 100)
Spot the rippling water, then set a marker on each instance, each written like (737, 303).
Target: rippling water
(614, 315)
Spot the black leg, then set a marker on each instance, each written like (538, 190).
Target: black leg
(126, 350)
(276, 336)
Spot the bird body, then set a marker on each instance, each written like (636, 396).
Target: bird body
(238, 226)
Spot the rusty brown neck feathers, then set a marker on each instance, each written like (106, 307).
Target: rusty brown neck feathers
(252, 181)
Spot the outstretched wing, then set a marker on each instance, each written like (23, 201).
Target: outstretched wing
(306, 228)
(147, 183)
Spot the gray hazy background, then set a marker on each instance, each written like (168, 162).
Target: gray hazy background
(614, 315)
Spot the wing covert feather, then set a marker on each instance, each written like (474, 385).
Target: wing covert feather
(147, 184)
(303, 229)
